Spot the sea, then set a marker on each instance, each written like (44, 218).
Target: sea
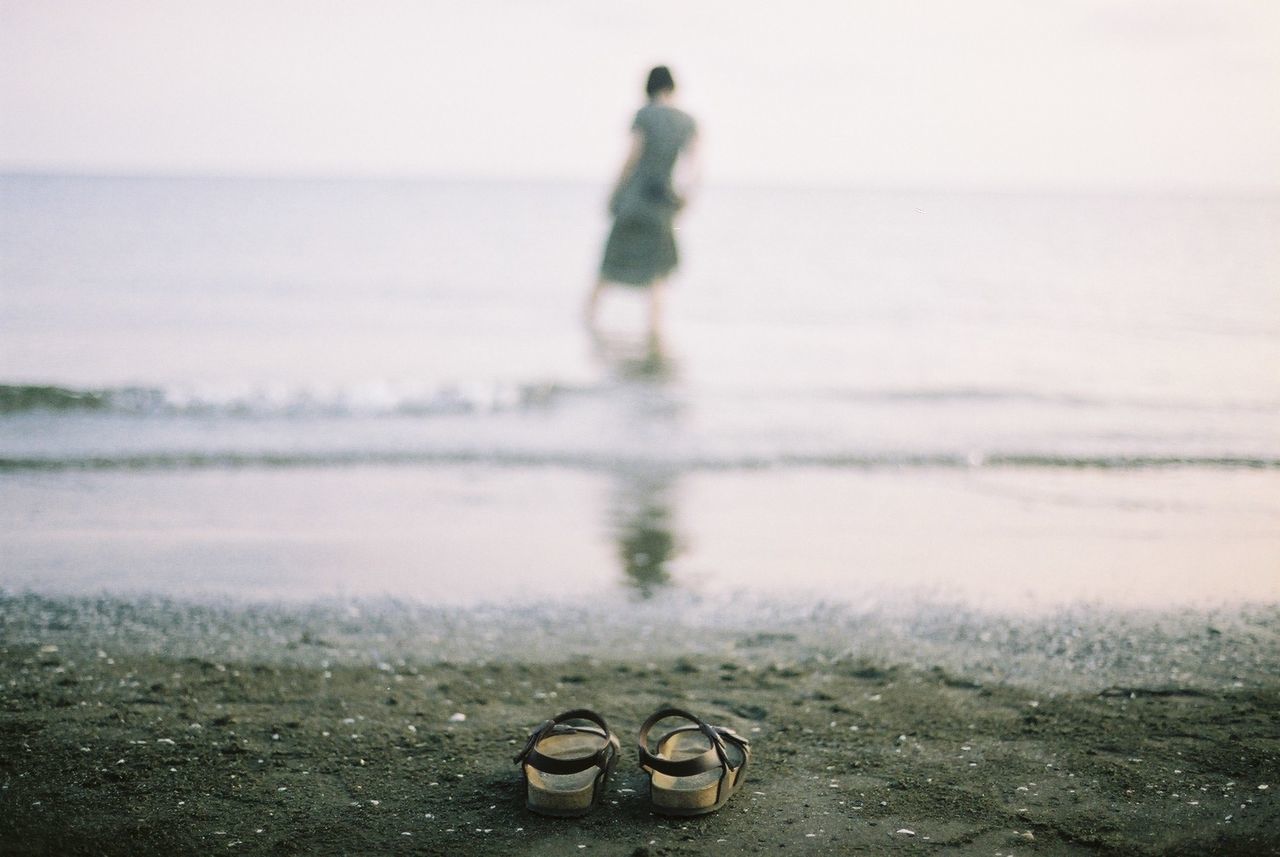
(292, 389)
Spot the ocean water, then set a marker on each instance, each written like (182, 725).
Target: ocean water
(289, 388)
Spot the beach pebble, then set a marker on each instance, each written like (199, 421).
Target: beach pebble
(457, 717)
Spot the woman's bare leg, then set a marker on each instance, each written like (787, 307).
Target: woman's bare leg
(657, 295)
(593, 302)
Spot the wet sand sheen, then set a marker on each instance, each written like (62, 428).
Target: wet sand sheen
(1007, 539)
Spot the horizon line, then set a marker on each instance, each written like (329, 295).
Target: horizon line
(727, 183)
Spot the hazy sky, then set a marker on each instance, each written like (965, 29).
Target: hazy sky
(992, 93)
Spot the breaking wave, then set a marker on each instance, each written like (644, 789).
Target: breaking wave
(420, 400)
(615, 461)
(374, 399)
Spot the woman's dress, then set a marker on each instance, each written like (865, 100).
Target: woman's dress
(642, 245)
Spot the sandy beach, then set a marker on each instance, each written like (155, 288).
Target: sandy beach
(388, 728)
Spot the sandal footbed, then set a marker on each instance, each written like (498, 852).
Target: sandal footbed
(564, 794)
(694, 795)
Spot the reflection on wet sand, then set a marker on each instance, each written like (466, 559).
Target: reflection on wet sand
(642, 520)
(643, 526)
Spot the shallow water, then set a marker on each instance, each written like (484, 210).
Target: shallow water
(289, 389)
(1010, 540)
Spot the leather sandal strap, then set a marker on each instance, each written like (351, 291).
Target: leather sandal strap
(714, 757)
(558, 726)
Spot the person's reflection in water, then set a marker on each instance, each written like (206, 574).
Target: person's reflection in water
(647, 543)
(642, 518)
(644, 364)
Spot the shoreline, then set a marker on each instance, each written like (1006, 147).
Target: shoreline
(153, 726)
(1083, 648)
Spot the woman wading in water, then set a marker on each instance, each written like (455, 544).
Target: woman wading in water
(641, 250)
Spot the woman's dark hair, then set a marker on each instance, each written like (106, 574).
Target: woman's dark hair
(660, 80)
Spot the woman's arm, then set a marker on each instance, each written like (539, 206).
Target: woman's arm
(688, 171)
(628, 167)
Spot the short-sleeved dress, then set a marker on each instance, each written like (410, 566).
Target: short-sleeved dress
(642, 244)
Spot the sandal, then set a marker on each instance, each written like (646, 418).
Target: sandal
(693, 769)
(565, 767)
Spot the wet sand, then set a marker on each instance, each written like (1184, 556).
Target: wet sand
(147, 726)
(1001, 538)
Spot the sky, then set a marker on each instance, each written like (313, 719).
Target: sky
(1001, 94)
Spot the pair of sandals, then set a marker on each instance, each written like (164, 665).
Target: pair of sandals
(693, 769)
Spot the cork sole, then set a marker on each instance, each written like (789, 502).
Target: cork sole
(565, 794)
(694, 795)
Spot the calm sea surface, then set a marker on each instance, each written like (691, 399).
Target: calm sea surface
(298, 388)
